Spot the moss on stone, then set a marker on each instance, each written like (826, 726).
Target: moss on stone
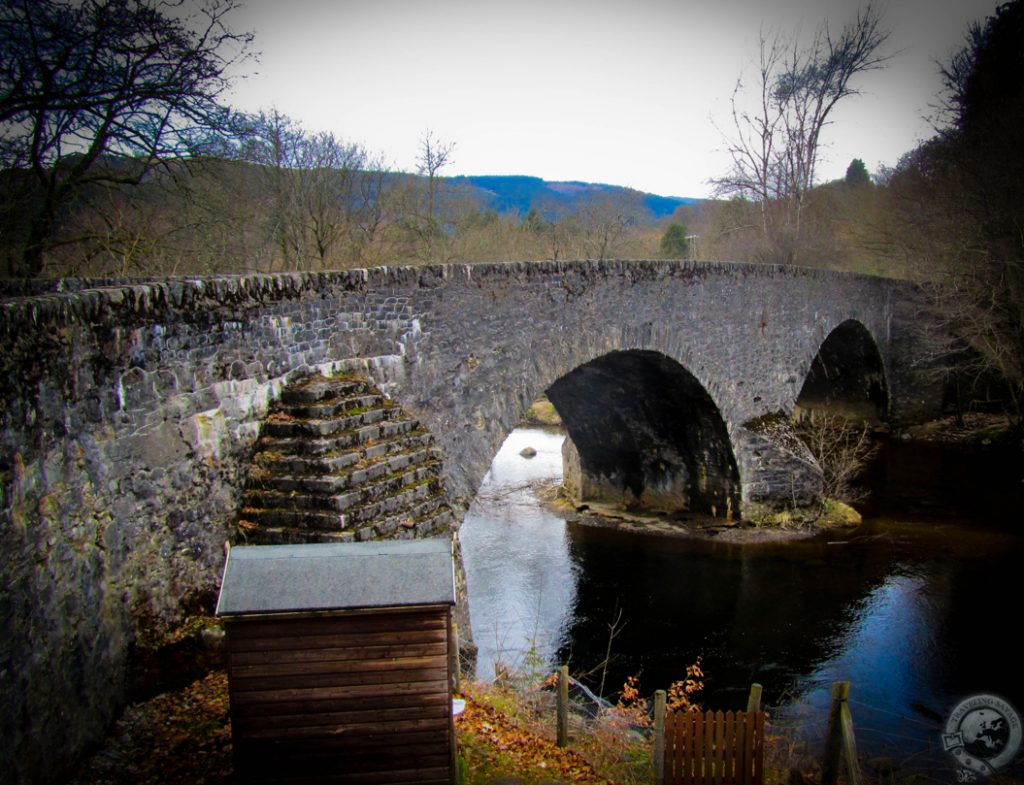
(831, 513)
(542, 412)
(837, 513)
(780, 519)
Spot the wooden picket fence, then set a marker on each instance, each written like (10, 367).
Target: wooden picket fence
(714, 748)
(727, 748)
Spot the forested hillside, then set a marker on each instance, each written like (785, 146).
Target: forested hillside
(326, 205)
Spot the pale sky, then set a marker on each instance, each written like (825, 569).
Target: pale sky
(627, 92)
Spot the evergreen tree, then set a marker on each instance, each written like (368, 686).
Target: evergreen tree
(985, 82)
(857, 174)
(674, 243)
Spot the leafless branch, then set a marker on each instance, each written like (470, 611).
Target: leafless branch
(775, 147)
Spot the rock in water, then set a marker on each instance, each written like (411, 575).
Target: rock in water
(527, 452)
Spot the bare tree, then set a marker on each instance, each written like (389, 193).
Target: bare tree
(373, 215)
(424, 215)
(328, 198)
(273, 141)
(775, 146)
(100, 92)
(605, 218)
(313, 188)
(843, 449)
(557, 225)
(435, 154)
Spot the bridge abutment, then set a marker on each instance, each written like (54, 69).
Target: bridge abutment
(778, 470)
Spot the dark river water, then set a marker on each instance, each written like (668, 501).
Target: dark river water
(918, 608)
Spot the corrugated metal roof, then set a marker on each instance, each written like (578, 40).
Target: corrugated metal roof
(337, 576)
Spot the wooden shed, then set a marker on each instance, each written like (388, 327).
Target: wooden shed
(340, 661)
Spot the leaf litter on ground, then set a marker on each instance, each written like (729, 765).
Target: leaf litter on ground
(185, 736)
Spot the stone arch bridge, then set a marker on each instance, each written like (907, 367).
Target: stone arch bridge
(130, 409)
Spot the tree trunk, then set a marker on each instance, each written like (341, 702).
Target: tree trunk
(32, 255)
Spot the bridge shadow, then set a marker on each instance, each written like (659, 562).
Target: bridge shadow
(645, 434)
(847, 378)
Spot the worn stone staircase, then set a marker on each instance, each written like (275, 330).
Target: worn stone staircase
(336, 461)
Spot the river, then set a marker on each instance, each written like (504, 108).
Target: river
(916, 613)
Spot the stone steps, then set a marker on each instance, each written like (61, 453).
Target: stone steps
(359, 494)
(331, 483)
(277, 456)
(390, 528)
(318, 389)
(323, 410)
(412, 503)
(310, 445)
(287, 426)
(336, 462)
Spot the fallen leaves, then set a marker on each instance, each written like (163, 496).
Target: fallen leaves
(494, 745)
(185, 736)
(182, 736)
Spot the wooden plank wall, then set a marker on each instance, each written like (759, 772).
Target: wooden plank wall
(714, 748)
(354, 698)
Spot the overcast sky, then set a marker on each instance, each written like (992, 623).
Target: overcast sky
(628, 92)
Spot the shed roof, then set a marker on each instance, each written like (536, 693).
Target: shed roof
(336, 576)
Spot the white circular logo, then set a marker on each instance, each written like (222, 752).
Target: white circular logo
(983, 733)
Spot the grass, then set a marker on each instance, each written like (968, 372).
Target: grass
(542, 412)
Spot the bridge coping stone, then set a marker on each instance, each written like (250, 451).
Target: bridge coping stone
(89, 300)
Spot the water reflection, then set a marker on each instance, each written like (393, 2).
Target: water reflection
(915, 615)
(521, 579)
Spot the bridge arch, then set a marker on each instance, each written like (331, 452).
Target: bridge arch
(645, 433)
(846, 377)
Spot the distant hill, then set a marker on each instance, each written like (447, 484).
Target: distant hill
(505, 193)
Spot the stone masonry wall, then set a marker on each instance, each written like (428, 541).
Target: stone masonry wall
(128, 415)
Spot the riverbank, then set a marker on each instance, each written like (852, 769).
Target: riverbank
(782, 527)
(974, 431)
(972, 428)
